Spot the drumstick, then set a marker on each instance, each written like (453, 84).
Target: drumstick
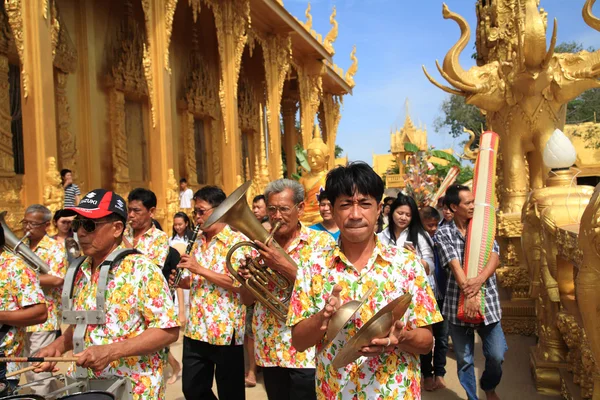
(21, 371)
(38, 359)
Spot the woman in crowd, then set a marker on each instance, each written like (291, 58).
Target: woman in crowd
(182, 229)
(63, 220)
(405, 230)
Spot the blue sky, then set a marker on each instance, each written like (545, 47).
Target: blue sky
(394, 38)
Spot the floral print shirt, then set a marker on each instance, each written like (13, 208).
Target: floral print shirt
(19, 288)
(54, 254)
(272, 338)
(153, 243)
(393, 375)
(216, 314)
(137, 299)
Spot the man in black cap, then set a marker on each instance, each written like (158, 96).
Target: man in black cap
(140, 315)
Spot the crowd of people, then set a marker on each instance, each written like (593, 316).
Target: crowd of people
(363, 242)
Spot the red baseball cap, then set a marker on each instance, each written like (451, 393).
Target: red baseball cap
(99, 203)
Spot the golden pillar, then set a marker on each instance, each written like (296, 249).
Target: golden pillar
(330, 122)
(277, 54)
(310, 83)
(32, 33)
(231, 19)
(290, 107)
(157, 71)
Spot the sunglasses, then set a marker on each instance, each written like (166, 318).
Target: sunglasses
(89, 225)
(200, 212)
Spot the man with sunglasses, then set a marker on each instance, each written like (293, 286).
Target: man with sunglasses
(140, 315)
(214, 334)
(288, 373)
(35, 224)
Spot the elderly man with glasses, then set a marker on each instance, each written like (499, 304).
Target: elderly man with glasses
(214, 334)
(288, 373)
(140, 315)
(35, 224)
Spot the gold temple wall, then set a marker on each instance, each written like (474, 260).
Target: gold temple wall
(119, 67)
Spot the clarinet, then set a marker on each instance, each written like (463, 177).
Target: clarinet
(188, 250)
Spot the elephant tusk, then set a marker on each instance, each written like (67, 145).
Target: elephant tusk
(589, 18)
(444, 88)
(550, 53)
(462, 86)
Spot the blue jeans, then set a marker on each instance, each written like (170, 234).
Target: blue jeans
(438, 354)
(494, 347)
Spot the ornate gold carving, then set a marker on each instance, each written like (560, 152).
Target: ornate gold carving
(587, 282)
(120, 162)
(520, 84)
(231, 20)
(172, 197)
(45, 9)
(66, 140)
(333, 33)
(330, 121)
(216, 156)
(349, 78)
(170, 6)
(53, 190)
(15, 19)
(308, 24)
(248, 104)
(147, 57)
(311, 90)
(64, 52)
(195, 5)
(509, 225)
(7, 161)
(125, 57)
(189, 148)
(518, 326)
(10, 200)
(515, 278)
(566, 243)
(201, 87)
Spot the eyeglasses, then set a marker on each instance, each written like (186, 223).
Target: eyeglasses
(200, 212)
(284, 210)
(32, 224)
(89, 225)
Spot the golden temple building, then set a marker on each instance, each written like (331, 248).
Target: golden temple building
(137, 93)
(384, 163)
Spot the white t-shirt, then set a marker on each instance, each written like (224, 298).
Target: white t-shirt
(185, 198)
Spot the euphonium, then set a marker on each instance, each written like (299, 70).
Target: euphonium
(235, 212)
(17, 247)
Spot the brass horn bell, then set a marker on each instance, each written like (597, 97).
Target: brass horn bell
(17, 247)
(235, 212)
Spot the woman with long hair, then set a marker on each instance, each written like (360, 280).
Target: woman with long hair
(182, 228)
(406, 230)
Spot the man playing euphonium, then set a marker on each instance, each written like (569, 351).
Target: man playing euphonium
(390, 368)
(288, 373)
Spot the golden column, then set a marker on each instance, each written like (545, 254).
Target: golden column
(231, 19)
(290, 107)
(277, 54)
(310, 82)
(32, 31)
(157, 71)
(330, 121)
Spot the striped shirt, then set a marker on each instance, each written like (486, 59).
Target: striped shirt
(452, 246)
(71, 192)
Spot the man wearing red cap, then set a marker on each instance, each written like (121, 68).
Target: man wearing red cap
(140, 315)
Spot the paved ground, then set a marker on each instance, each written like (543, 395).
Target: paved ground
(516, 382)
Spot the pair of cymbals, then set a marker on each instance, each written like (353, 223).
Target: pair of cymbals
(377, 327)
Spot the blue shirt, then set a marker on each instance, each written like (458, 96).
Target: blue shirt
(320, 227)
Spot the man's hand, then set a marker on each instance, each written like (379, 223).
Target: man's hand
(377, 347)
(472, 306)
(472, 286)
(184, 283)
(333, 303)
(272, 257)
(48, 351)
(189, 262)
(243, 270)
(95, 358)
(410, 247)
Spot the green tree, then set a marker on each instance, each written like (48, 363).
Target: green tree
(338, 151)
(458, 115)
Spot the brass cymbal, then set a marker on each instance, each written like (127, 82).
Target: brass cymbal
(377, 327)
(343, 315)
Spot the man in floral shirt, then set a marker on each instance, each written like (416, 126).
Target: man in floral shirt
(214, 335)
(22, 303)
(140, 315)
(35, 223)
(288, 374)
(141, 232)
(389, 368)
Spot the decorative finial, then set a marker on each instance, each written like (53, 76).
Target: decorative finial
(349, 78)
(317, 132)
(308, 23)
(333, 33)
